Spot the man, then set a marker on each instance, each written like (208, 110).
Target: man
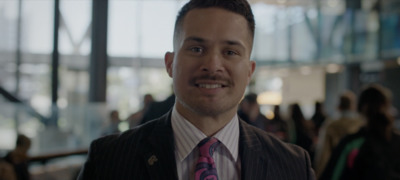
(157, 109)
(112, 126)
(249, 111)
(18, 157)
(210, 68)
(337, 128)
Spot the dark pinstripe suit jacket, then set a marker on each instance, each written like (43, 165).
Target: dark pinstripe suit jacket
(147, 152)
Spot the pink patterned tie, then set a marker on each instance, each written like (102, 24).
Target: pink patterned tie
(205, 166)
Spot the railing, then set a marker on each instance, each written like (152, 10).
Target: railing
(43, 159)
(27, 107)
(77, 126)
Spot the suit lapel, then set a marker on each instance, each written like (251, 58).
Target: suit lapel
(254, 164)
(159, 157)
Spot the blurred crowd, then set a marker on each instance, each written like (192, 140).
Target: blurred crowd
(361, 142)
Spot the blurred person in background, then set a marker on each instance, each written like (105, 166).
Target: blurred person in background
(318, 117)
(202, 136)
(18, 157)
(373, 152)
(158, 108)
(6, 171)
(335, 129)
(277, 125)
(135, 118)
(249, 111)
(300, 130)
(113, 124)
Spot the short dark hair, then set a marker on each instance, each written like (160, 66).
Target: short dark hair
(23, 141)
(251, 98)
(346, 101)
(375, 98)
(241, 7)
(374, 103)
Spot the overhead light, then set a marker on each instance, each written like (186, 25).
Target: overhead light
(281, 1)
(270, 97)
(270, 114)
(283, 72)
(333, 3)
(62, 103)
(305, 70)
(332, 68)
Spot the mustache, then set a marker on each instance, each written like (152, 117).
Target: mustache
(212, 77)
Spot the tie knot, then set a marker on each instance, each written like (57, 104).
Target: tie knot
(207, 146)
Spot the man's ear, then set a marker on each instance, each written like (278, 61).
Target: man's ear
(252, 67)
(168, 60)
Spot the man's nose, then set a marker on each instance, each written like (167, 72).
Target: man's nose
(213, 62)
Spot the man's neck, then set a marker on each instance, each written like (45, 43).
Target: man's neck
(209, 125)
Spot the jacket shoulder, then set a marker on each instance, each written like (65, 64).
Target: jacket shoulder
(283, 159)
(273, 145)
(131, 136)
(120, 155)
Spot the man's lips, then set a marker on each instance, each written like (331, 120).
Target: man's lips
(210, 86)
(211, 82)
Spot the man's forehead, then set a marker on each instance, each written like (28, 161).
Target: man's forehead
(211, 11)
(226, 42)
(206, 21)
(199, 18)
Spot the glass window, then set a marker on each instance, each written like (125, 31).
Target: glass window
(37, 26)
(141, 28)
(123, 31)
(127, 85)
(143, 31)
(303, 40)
(157, 25)
(75, 27)
(74, 48)
(271, 41)
(390, 21)
(264, 39)
(36, 47)
(8, 44)
(8, 20)
(8, 26)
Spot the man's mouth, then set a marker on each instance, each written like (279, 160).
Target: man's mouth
(211, 82)
(210, 86)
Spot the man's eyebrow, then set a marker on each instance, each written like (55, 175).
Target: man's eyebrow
(195, 39)
(202, 40)
(234, 43)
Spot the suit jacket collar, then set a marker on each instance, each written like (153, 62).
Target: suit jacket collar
(160, 154)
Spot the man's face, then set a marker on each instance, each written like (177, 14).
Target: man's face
(210, 66)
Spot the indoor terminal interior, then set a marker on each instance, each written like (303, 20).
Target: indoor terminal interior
(65, 65)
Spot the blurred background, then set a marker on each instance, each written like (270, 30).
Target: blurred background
(65, 64)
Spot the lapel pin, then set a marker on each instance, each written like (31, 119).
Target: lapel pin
(152, 160)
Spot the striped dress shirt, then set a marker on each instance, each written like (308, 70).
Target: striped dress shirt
(226, 155)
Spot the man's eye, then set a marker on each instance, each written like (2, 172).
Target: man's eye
(231, 53)
(196, 49)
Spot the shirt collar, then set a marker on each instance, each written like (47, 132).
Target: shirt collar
(187, 136)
